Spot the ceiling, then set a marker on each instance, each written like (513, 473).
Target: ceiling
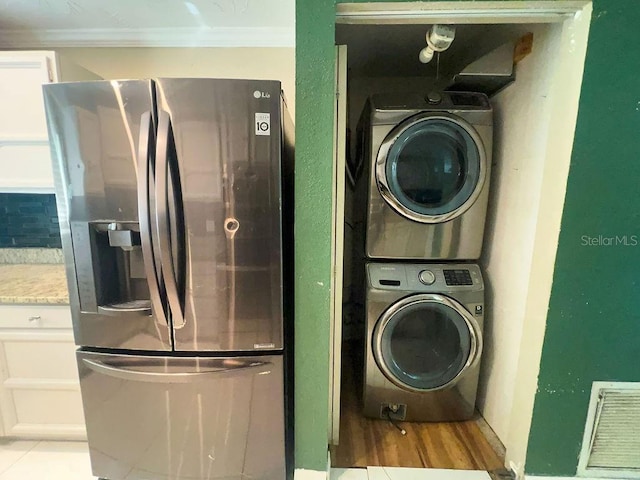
(392, 50)
(211, 23)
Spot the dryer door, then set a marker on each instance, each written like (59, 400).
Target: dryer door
(431, 168)
(426, 342)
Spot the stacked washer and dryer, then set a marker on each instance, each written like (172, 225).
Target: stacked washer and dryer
(427, 161)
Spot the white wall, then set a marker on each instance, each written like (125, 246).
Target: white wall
(258, 63)
(534, 126)
(521, 116)
(564, 96)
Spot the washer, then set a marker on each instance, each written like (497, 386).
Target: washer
(427, 160)
(424, 341)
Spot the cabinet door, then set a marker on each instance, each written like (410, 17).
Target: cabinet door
(39, 386)
(24, 145)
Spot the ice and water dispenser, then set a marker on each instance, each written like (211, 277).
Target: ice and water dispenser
(111, 274)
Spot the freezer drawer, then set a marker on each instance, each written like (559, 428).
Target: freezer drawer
(179, 418)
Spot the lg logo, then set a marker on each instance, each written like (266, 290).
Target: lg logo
(259, 94)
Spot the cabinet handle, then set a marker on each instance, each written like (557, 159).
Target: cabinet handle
(35, 318)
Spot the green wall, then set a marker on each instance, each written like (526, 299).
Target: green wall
(313, 184)
(593, 327)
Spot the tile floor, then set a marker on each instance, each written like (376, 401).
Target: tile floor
(23, 460)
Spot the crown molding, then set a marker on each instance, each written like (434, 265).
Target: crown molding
(476, 12)
(150, 37)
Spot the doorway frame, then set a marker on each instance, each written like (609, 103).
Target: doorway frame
(576, 18)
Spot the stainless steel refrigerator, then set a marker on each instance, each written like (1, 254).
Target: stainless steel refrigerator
(174, 200)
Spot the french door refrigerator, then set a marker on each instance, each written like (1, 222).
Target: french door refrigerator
(174, 202)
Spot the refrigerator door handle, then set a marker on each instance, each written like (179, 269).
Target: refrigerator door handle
(163, 145)
(145, 163)
(240, 369)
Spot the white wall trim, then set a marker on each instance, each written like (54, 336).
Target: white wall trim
(546, 477)
(456, 13)
(39, 431)
(150, 37)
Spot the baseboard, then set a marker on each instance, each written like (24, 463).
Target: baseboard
(304, 474)
(528, 476)
(349, 474)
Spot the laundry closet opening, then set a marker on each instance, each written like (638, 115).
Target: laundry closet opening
(456, 172)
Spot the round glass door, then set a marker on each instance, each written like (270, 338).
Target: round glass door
(432, 168)
(425, 343)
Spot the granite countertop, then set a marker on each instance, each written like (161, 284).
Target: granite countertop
(33, 283)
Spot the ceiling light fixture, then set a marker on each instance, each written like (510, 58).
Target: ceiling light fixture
(439, 38)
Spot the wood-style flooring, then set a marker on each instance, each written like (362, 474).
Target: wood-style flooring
(369, 442)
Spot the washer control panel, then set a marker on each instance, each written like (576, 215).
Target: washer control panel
(457, 277)
(425, 277)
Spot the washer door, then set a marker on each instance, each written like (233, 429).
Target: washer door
(431, 168)
(426, 342)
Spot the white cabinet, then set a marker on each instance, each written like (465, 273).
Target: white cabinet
(39, 386)
(25, 160)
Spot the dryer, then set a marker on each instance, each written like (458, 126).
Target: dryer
(423, 341)
(427, 162)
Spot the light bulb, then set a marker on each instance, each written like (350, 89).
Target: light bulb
(426, 55)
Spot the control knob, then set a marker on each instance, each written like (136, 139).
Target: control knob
(427, 277)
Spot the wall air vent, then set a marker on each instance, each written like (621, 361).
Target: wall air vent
(611, 443)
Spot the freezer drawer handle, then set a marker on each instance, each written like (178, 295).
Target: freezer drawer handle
(242, 369)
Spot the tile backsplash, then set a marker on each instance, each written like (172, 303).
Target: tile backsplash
(28, 220)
